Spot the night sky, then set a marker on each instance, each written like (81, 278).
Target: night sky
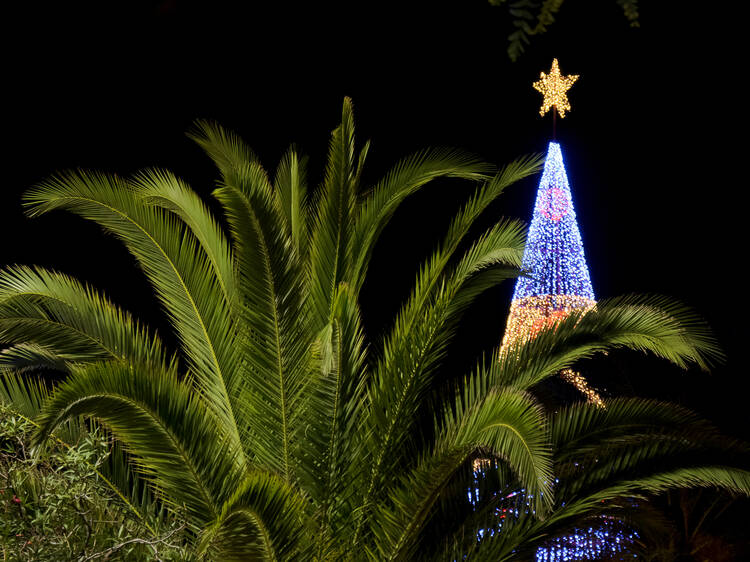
(650, 145)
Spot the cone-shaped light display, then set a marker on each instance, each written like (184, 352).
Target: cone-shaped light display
(558, 280)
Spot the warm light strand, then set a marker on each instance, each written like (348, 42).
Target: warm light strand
(529, 315)
(577, 380)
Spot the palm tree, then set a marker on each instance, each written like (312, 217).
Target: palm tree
(277, 429)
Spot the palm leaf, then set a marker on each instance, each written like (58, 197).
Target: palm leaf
(162, 188)
(290, 183)
(177, 440)
(276, 341)
(505, 424)
(334, 215)
(658, 325)
(173, 261)
(57, 321)
(405, 179)
(336, 409)
(227, 150)
(263, 520)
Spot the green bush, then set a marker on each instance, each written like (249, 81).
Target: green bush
(58, 507)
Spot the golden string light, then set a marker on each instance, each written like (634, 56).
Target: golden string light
(554, 87)
(577, 380)
(529, 315)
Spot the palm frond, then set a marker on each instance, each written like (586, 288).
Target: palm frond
(638, 437)
(290, 182)
(405, 179)
(276, 341)
(462, 223)
(56, 321)
(508, 425)
(31, 358)
(657, 325)
(177, 440)
(582, 424)
(227, 150)
(337, 406)
(24, 394)
(263, 520)
(423, 328)
(162, 188)
(173, 261)
(334, 218)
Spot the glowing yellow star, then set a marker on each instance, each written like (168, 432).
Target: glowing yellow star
(554, 87)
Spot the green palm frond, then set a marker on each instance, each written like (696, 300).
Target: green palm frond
(508, 425)
(171, 257)
(57, 321)
(521, 538)
(581, 424)
(417, 342)
(290, 182)
(276, 340)
(24, 393)
(658, 325)
(31, 357)
(337, 406)
(334, 217)
(263, 520)
(178, 442)
(405, 179)
(227, 150)
(634, 437)
(734, 480)
(162, 188)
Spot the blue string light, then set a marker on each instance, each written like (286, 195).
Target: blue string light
(554, 255)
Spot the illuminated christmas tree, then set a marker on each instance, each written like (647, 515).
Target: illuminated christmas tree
(558, 283)
(558, 280)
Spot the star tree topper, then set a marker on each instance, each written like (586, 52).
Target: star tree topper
(554, 87)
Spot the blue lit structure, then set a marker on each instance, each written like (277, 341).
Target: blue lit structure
(558, 280)
(609, 539)
(554, 252)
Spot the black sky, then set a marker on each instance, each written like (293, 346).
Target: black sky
(650, 146)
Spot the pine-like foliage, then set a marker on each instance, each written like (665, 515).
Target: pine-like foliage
(275, 428)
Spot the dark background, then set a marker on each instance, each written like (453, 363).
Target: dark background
(650, 145)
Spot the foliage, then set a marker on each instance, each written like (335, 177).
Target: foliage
(697, 525)
(532, 17)
(278, 429)
(57, 507)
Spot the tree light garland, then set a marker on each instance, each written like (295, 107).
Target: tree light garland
(554, 87)
(557, 281)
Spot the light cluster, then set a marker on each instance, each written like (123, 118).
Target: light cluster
(606, 538)
(577, 380)
(605, 541)
(529, 315)
(554, 87)
(556, 280)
